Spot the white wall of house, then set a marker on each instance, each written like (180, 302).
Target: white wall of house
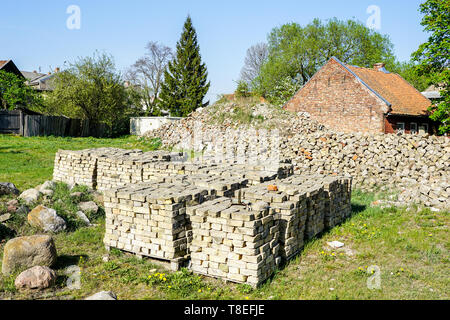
(140, 126)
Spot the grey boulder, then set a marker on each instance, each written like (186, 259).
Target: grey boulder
(88, 207)
(7, 188)
(46, 219)
(27, 252)
(30, 195)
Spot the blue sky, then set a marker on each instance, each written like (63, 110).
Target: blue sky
(34, 33)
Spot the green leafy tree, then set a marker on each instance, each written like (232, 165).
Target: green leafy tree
(242, 90)
(185, 81)
(283, 91)
(408, 71)
(14, 93)
(434, 56)
(297, 52)
(91, 89)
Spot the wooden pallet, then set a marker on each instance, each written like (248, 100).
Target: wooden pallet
(171, 264)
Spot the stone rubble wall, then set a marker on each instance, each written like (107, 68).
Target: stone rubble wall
(418, 166)
(415, 165)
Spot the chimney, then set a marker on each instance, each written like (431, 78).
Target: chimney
(379, 66)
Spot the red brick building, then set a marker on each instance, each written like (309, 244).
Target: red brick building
(353, 99)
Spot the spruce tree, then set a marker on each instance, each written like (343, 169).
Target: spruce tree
(185, 79)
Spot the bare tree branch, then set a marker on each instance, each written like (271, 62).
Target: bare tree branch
(256, 56)
(147, 73)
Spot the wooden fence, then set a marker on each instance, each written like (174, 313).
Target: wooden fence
(31, 125)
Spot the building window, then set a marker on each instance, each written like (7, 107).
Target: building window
(400, 127)
(423, 128)
(413, 128)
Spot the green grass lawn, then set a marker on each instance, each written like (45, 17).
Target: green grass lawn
(410, 248)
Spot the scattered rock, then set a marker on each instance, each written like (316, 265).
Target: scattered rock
(46, 219)
(30, 195)
(27, 252)
(47, 193)
(89, 206)
(37, 277)
(349, 252)
(12, 206)
(23, 209)
(5, 217)
(13, 202)
(76, 195)
(82, 216)
(335, 244)
(105, 258)
(8, 188)
(47, 185)
(103, 295)
(11, 209)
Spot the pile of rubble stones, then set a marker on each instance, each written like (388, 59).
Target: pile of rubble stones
(415, 166)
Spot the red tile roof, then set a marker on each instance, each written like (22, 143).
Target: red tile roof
(2, 63)
(402, 96)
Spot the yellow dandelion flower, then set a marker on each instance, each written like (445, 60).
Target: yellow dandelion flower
(246, 298)
(199, 290)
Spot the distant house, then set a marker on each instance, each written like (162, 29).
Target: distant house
(353, 99)
(433, 93)
(36, 80)
(9, 66)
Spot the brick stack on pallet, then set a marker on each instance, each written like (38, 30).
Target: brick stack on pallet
(288, 204)
(122, 169)
(155, 171)
(337, 195)
(233, 243)
(81, 166)
(150, 219)
(221, 186)
(254, 174)
(235, 222)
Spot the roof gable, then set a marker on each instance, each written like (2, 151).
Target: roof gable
(402, 96)
(9, 66)
(350, 70)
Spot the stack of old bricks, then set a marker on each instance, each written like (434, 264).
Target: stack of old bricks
(122, 169)
(232, 242)
(81, 166)
(336, 195)
(288, 204)
(150, 219)
(233, 221)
